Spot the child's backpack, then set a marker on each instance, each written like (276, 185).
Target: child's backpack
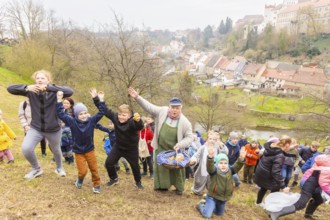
(24, 105)
(107, 145)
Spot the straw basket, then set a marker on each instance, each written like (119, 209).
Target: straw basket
(163, 158)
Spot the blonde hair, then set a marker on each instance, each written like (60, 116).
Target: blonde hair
(124, 108)
(285, 139)
(45, 72)
(315, 144)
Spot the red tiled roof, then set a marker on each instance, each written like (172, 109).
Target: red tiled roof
(304, 75)
(279, 74)
(286, 86)
(224, 65)
(311, 76)
(252, 68)
(220, 61)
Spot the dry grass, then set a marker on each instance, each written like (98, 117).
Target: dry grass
(53, 197)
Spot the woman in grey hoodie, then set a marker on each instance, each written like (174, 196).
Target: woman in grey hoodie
(45, 123)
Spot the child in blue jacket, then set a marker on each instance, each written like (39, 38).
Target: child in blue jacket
(82, 128)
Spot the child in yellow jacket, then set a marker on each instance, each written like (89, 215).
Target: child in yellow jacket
(6, 135)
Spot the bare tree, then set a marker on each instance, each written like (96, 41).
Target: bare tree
(25, 18)
(2, 21)
(123, 59)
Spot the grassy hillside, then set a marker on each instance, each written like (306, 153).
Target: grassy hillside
(52, 197)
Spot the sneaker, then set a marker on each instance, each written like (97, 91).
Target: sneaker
(128, 171)
(44, 155)
(202, 202)
(152, 176)
(144, 174)
(60, 172)
(139, 185)
(250, 182)
(262, 205)
(112, 182)
(294, 183)
(194, 193)
(33, 174)
(79, 183)
(97, 189)
(10, 162)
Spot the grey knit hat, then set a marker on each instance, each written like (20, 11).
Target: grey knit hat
(233, 135)
(79, 107)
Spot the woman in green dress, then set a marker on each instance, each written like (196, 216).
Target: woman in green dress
(173, 131)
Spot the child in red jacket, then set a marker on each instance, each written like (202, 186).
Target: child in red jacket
(251, 158)
(147, 134)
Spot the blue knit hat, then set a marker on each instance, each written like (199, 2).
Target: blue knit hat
(79, 107)
(220, 157)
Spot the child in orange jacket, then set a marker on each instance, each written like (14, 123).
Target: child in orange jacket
(251, 158)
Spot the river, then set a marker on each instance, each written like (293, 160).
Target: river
(265, 132)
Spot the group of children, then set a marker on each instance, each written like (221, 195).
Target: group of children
(270, 167)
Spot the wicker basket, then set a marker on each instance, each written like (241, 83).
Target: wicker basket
(162, 159)
(174, 167)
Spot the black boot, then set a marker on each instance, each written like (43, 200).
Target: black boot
(311, 207)
(285, 211)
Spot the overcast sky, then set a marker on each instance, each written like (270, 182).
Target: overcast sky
(156, 14)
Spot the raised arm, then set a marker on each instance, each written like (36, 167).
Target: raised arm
(146, 105)
(240, 161)
(136, 123)
(101, 108)
(107, 111)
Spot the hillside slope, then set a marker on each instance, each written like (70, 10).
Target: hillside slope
(52, 197)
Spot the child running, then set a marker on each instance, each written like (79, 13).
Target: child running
(127, 126)
(109, 141)
(6, 135)
(82, 128)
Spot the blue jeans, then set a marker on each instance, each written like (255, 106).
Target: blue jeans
(286, 173)
(211, 206)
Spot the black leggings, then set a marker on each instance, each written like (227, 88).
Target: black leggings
(262, 193)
